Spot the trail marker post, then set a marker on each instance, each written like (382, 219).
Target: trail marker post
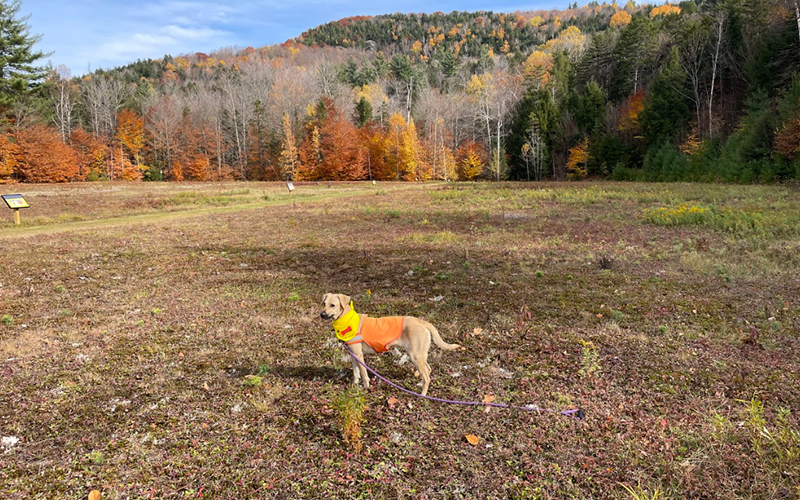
(290, 187)
(15, 202)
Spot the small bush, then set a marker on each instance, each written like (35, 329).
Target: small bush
(350, 407)
(590, 359)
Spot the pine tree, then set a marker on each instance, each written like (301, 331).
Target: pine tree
(18, 74)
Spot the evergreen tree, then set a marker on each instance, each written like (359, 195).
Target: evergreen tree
(19, 77)
(666, 110)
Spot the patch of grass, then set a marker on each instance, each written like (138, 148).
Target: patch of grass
(252, 381)
(640, 494)
(7, 320)
(764, 223)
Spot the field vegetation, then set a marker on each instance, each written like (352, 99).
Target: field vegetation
(162, 341)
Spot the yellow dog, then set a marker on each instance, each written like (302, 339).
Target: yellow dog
(374, 335)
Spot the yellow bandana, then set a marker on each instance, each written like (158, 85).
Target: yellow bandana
(346, 327)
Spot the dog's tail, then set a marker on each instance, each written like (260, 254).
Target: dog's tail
(437, 339)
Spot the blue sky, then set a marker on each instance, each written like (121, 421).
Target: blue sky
(91, 34)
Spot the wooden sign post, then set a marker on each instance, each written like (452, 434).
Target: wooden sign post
(290, 187)
(15, 202)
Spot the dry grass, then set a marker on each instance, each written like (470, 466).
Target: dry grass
(180, 356)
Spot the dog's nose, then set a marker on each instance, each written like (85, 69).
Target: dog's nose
(323, 315)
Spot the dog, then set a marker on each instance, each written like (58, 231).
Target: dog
(375, 335)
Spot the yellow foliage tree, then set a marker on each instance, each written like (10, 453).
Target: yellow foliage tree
(537, 67)
(620, 19)
(471, 157)
(664, 10)
(289, 154)
(576, 162)
(535, 21)
(404, 157)
(569, 40)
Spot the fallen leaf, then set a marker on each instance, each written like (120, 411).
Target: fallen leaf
(599, 315)
(472, 439)
(392, 402)
(477, 331)
(489, 398)
(205, 386)
(94, 495)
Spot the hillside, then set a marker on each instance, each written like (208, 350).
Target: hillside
(692, 91)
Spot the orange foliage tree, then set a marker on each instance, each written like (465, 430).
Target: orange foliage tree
(664, 10)
(90, 153)
(332, 150)
(620, 19)
(629, 112)
(44, 157)
(8, 158)
(130, 133)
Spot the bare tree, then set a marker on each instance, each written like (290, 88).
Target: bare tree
(693, 56)
(718, 33)
(162, 121)
(63, 102)
(103, 97)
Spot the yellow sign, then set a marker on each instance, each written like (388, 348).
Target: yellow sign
(15, 201)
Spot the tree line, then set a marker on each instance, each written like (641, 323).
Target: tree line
(704, 91)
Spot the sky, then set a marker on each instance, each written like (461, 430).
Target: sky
(86, 35)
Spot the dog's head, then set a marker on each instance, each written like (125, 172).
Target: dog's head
(334, 305)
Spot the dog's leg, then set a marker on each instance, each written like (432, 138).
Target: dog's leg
(356, 371)
(359, 372)
(421, 363)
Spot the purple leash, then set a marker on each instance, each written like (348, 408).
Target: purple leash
(575, 413)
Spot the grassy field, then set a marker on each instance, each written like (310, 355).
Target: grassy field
(162, 341)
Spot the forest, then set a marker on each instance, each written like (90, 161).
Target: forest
(697, 91)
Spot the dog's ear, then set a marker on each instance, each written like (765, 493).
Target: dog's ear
(345, 301)
(325, 298)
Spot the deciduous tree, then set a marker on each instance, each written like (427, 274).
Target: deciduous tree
(43, 157)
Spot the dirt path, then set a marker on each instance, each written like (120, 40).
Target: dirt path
(15, 232)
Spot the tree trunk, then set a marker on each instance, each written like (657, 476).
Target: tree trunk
(715, 61)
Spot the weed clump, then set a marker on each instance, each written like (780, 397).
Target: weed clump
(590, 359)
(350, 407)
(252, 381)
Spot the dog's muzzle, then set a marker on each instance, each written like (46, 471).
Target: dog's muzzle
(324, 315)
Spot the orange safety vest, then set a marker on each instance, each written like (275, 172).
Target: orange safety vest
(378, 332)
